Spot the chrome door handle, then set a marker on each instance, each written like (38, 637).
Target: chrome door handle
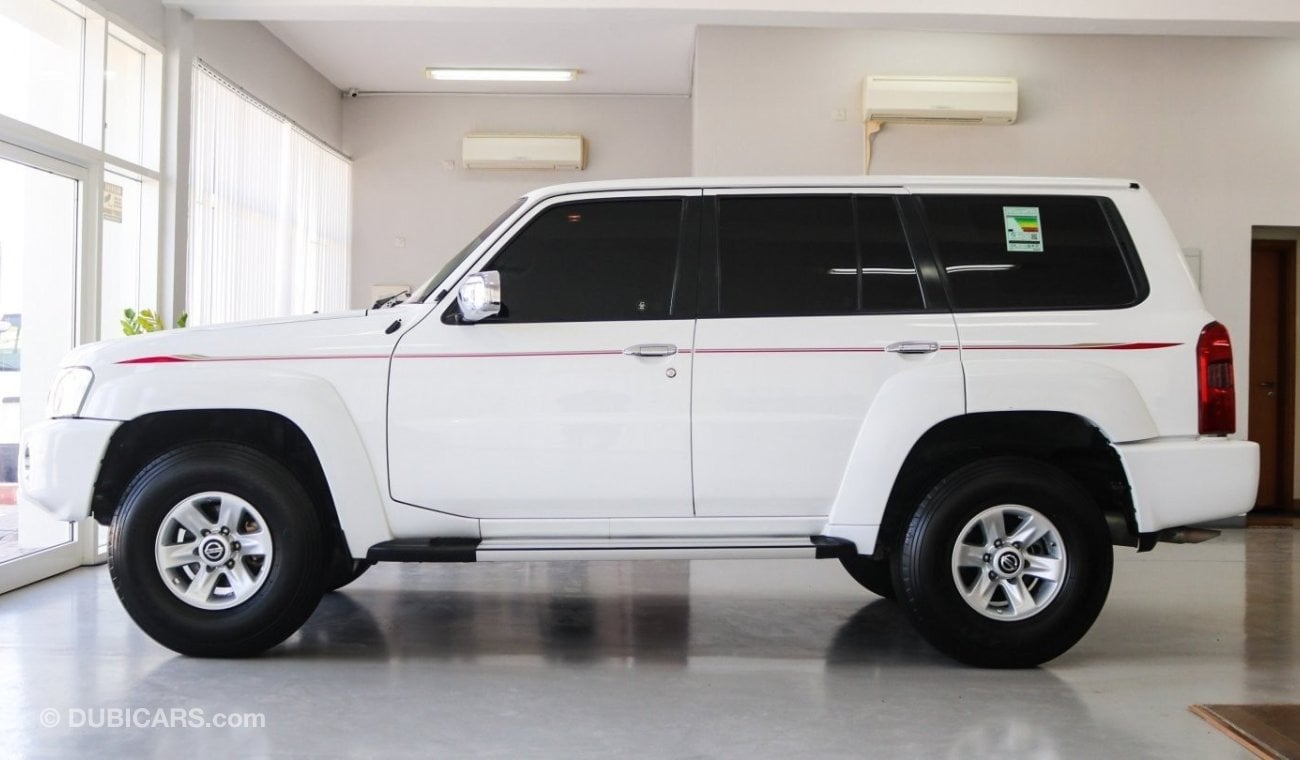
(650, 349)
(912, 347)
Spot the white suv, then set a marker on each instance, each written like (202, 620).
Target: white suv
(966, 390)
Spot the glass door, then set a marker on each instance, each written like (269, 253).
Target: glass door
(41, 218)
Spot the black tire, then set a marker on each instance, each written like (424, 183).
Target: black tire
(344, 570)
(291, 585)
(872, 574)
(927, 580)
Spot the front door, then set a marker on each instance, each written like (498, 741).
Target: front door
(575, 401)
(816, 305)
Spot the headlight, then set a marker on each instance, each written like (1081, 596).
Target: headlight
(69, 392)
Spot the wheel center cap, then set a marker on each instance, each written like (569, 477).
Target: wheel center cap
(214, 550)
(1008, 562)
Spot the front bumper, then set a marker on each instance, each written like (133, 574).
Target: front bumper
(58, 461)
(1183, 481)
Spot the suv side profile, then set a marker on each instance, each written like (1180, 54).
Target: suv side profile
(967, 390)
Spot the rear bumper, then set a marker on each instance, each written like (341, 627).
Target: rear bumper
(1182, 481)
(58, 461)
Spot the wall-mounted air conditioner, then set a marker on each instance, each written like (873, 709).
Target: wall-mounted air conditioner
(524, 152)
(939, 100)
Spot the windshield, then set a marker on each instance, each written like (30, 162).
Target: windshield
(427, 288)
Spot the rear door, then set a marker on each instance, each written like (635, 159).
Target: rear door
(1050, 300)
(810, 303)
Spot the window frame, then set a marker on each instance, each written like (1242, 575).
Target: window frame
(682, 300)
(1129, 255)
(85, 157)
(933, 298)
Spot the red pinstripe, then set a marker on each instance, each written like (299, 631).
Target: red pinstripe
(179, 359)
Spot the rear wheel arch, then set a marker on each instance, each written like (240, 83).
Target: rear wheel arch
(1067, 441)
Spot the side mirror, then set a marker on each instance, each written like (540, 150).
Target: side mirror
(479, 296)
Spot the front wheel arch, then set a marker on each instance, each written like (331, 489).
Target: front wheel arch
(139, 441)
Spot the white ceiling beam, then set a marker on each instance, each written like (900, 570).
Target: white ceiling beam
(1102, 11)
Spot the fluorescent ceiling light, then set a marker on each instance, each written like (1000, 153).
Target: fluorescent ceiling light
(501, 75)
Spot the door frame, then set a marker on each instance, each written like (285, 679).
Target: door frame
(83, 548)
(1287, 370)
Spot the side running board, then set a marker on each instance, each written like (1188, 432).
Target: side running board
(505, 550)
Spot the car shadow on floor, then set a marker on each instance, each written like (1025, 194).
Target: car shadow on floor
(575, 628)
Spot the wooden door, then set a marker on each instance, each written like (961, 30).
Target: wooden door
(1272, 361)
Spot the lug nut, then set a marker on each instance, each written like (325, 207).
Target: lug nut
(225, 531)
(997, 542)
(993, 576)
(988, 557)
(234, 545)
(1016, 544)
(230, 564)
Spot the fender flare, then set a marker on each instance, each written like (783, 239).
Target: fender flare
(308, 401)
(909, 405)
(1103, 395)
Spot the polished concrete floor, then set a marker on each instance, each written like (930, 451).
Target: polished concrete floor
(731, 659)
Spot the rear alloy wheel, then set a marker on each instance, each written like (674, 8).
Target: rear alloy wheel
(1006, 563)
(215, 551)
(1009, 562)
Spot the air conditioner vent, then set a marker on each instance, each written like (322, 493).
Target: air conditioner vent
(940, 100)
(491, 151)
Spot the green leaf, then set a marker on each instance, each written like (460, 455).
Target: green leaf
(149, 321)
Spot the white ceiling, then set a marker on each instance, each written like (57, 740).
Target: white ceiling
(647, 46)
(612, 56)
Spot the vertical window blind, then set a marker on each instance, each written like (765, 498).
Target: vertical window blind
(269, 211)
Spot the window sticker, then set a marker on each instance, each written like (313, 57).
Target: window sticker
(1024, 229)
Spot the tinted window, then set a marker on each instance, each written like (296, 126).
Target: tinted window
(587, 262)
(812, 255)
(889, 278)
(1031, 252)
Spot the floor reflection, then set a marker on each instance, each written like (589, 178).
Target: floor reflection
(1271, 608)
(668, 659)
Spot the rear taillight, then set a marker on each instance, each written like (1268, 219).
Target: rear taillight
(1218, 399)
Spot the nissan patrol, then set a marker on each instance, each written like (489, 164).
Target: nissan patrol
(966, 390)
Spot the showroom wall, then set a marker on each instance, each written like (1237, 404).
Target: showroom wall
(414, 205)
(244, 52)
(1207, 124)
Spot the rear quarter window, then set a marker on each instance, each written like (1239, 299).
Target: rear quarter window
(1033, 252)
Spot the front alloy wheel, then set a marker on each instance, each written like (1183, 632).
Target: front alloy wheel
(215, 550)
